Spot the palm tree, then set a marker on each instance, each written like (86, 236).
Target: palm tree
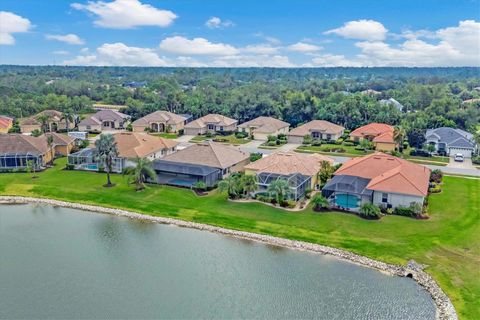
(68, 116)
(44, 120)
(319, 202)
(50, 147)
(249, 182)
(231, 186)
(279, 189)
(398, 136)
(326, 171)
(138, 175)
(105, 151)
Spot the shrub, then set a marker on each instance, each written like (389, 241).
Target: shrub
(319, 202)
(348, 144)
(420, 153)
(129, 127)
(307, 139)
(289, 204)
(181, 132)
(316, 143)
(476, 160)
(241, 135)
(271, 143)
(282, 136)
(255, 156)
(271, 138)
(369, 211)
(340, 140)
(200, 186)
(436, 176)
(209, 134)
(435, 188)
(69, 166)
(220, 139)
(413, 210)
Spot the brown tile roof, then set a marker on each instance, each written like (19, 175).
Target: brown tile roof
(216, 119)
(104, 115)
(316, 125)
(59, 139)
(265, 124)
(372, 129)
(5, 122)
(159, 116)
(386, 137)
(389, 174)
(33, 120)
(210, 154)
(286, 163)
(136, 144)
(19, 143)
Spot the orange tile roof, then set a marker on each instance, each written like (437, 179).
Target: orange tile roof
(5, 122)
(136, 144)
(386, 137)
(372, 129)
(286, 163)
(389, 174)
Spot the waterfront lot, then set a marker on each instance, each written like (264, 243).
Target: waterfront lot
(449, 242)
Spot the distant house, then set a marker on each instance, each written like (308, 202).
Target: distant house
(299, 169)
(134, 84)
(208, 162)
(211, 123)
(130, 145)
(262, 127)
(6, 123)
(379, 178)
(380, 134)
(317, 129)
(104, 120)
(17, 149)
(371, 92)
(55, 123)
(160, 121)
(392, 102)
(451, 141)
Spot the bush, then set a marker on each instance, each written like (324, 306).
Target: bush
(348, 144)
(339, 140)
(241, 135)
(420, 153)
(370, 211)
(282, 136)
(413, 210)
(316, 143)
(476, 160)
(255, 156)
(181, 132)
(69, 166)
(307, 139)
(435, 188)
(271, 143)
(209, 134)
(129, 127)
(220, 139)
(436, 176)
(271, 138)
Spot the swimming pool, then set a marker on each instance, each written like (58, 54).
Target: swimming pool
(181, 182)
(346, 201)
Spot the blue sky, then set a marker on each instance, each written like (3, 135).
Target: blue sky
(241, 33)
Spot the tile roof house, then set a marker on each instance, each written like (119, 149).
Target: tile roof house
(317, 129)
(5, 124)
(130, 145)
(262, 127)
(380, 134)
(62, 144)
(378, 178)
(211, 123)
(55, 122)
(159, 121)
(299, 169)
(104, 120)
(208, 162)
(451, 141)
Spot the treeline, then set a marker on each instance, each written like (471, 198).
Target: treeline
(431, 97)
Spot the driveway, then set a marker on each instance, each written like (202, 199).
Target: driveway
(466, 164)
(184, 138)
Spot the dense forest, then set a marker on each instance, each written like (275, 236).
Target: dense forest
(431, 97)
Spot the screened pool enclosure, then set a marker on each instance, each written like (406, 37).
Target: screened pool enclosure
(85, 160)
(14, 161)
(347, 192)
(297, 182)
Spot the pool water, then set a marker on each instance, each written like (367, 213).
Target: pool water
(346, 201)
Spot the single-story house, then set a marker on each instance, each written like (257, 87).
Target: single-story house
(130, 145)
(55, 122)
(380, 134)
(262, 127)
(62, 144)
(208, 162)
(392, 102)
(159, 121)
(211, 123)
(317, 129)
(17, 149)
(6, 123)
(378, 178)
(451, 141)
(299, 169)
(104, 120)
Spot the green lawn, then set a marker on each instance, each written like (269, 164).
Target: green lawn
(350, 151)
(165, 135)
(231, 139)
(449, 242)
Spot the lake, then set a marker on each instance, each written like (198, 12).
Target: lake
(66, 263)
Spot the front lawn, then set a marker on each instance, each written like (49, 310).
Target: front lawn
(449, 242)
(334, 149)
(230, 139)
(166, 135)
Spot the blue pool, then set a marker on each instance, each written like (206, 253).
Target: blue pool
(346, 201)
(182, 183)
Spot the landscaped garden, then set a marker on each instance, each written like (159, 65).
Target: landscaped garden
(274, 142)
(234, 139)
(448, 242)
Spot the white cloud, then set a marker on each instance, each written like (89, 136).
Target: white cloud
(332, 60)
(216, 22)
(126, 14)
(61, 52)
(196, 46)
(119, 54)
(11, 23)
(370, 30)
(304, 47)
(264, 48)
(67, 38)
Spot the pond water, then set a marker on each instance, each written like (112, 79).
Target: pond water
(66, 263)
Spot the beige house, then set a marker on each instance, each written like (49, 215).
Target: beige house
(104, 120)
(211, 123)
(317, 129)
(62, 144)
(262, 127)
(299, 169)
(380, 134)
(55, 122)
(159, 121)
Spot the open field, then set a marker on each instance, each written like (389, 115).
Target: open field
(449, 242)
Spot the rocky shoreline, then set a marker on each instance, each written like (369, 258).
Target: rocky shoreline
(444, 307)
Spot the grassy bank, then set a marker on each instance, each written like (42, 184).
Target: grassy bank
(449, 242)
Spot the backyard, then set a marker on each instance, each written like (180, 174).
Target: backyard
(448, 242)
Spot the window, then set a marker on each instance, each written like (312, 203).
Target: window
(89, 127)
(329, 137)
(211, 127)
(315, 135)
(221, 128)
(384, 197)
